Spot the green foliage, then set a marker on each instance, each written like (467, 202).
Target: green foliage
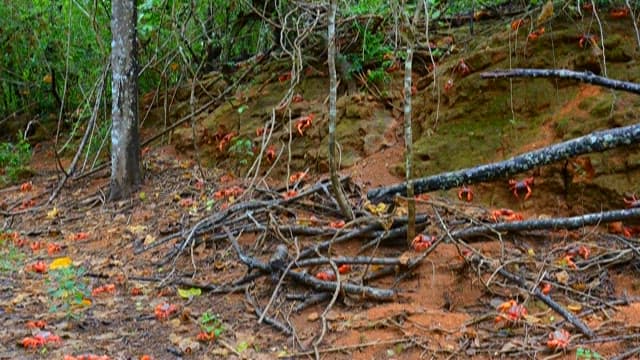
(241, 150)
(68, 290)
(14, 159)
(11, 258)
(586, 354)
(211, 324)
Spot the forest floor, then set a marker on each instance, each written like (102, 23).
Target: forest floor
(126, 280)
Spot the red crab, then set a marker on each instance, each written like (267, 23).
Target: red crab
(164, 310)
(344, 268)
(297, 98)
(304, 122)
(328, 275)
(290, 194)
(619, 13)
(465, 193)
(535, 34)
(559, 340)
(462, 68)
(226, 140)
(285, 77)
(505, 215)
(270, 154)
(297, 177)
(511, 311)
(518, 186)
(632, 201)
(586, 40)
(515, 24)
(448, 85)
(26, 187)
(422, 242)
(259, 131)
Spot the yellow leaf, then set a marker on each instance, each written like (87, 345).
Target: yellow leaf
(379, 209)
(60, 263)
(576, 308)
(189, 293)
(53, 213)
(47, 79)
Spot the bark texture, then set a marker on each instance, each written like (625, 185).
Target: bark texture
(125, 139)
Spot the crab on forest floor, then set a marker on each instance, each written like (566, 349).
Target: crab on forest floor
(520, 186)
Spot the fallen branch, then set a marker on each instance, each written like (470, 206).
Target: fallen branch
(595, 142)
(587, 77)
(568, 223)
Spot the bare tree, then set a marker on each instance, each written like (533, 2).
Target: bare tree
(125, 139)
(333, 94)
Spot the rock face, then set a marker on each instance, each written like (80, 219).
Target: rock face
(459, 120)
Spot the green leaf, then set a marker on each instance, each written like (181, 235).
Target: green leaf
(189, 293)
(242, 346)
(242, 109)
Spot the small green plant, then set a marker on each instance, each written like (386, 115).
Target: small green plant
(11, 258)
(586, 354)
(68, 290)
(211, 324)
(242, 150)
(14, 159)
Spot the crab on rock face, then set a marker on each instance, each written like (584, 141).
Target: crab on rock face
(520, 186)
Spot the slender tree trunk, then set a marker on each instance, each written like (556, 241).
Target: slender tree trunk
(408, 147)
(125, 139)
(345, 208)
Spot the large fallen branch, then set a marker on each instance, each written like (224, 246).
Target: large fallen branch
(595, 142)
(568, 223)
(587, 77)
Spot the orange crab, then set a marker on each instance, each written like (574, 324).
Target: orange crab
(328, 275)
(465, 193)
(505, 215)
(511, 311)
(26, 187)
(559, 340)
(422, 242)
(234, 191)
(344, 268)
(226, 140)
(515, 24)
(290, 194)
(164, 310)
(205, 337)
(339, 224)
(297, 177)
(304, 122)
(40, 339)
(586, 40)
(259, 131)
(534, 35)
(518, 186)
(105, 289)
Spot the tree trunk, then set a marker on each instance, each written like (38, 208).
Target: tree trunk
(345, 208)
(125, 139)
(408, 147)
